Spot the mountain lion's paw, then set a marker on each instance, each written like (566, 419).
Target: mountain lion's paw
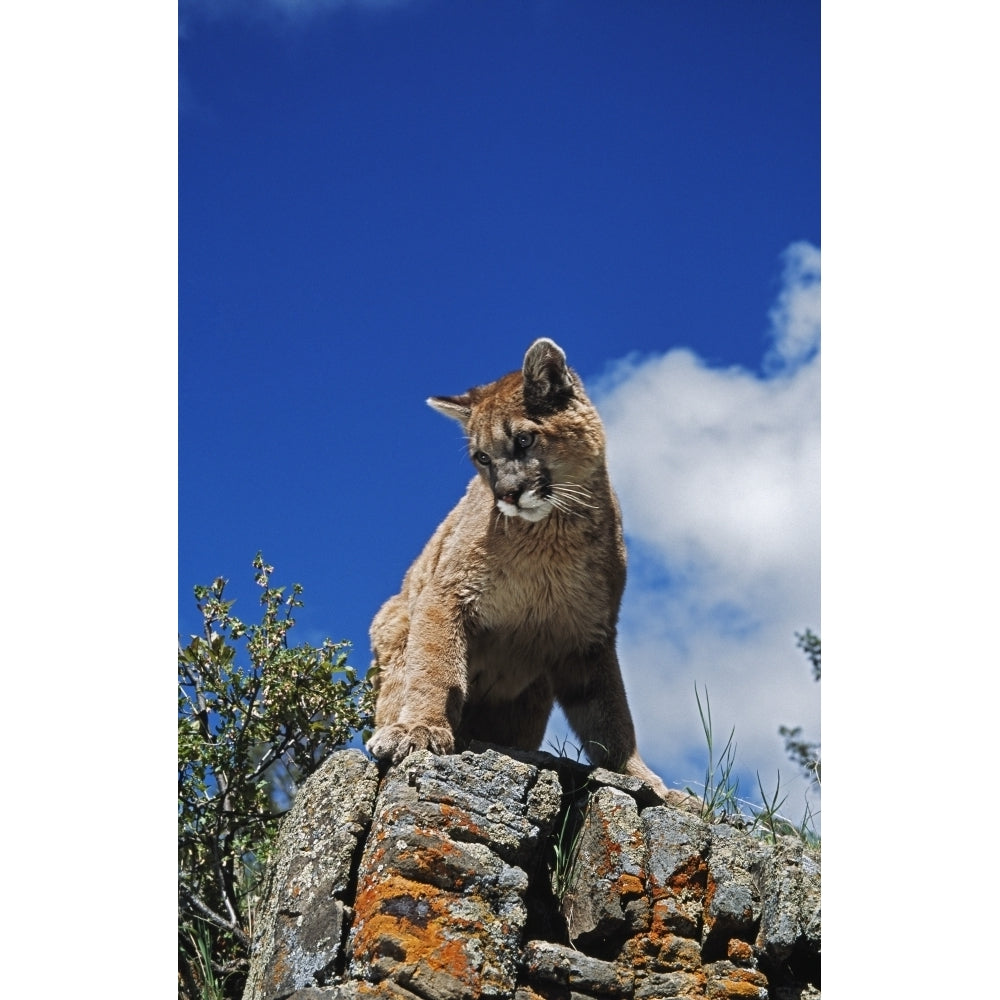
(396, 741)
(670, 796)
(683, 800)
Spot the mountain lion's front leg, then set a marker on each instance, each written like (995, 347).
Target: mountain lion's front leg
(422, 685)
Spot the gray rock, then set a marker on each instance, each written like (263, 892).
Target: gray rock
(545, 962)
(790, 900)
(605, 897)
(670, 985)
(732, 898)
(676, 869)
(352, 989)
(440, 902)
(725, 981)
(299, 936)
(427, 891)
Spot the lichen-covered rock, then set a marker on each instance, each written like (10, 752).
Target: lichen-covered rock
(353, 989)
(726, 981)
(424, 886)
(732, 897)
(440, 902)
(486, 798)
(545, 962)
(300, 933)
(671, 986)
(789, 935)
(605, 898)
(676, 870)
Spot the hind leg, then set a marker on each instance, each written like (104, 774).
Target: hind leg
(592, 695)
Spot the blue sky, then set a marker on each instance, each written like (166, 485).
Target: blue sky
(383, 201)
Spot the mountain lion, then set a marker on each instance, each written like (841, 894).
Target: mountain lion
(513, 604)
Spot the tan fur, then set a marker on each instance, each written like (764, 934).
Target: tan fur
(513, 603)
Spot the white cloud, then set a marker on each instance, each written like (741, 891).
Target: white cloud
(795, 316)
(718, 472)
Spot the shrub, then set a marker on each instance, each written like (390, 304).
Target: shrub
(248, 734)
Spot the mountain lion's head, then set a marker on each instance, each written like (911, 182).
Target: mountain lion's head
(534, 436)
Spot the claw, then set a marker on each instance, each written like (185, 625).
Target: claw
(397, 741)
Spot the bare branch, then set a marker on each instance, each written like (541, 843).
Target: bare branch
(203, 909)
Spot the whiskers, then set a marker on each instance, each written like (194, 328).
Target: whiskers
(501, 520)
(570, 498)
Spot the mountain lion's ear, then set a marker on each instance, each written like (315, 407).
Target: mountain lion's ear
(548, 381)
(456, 407)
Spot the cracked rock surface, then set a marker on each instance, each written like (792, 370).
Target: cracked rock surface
(503, 874)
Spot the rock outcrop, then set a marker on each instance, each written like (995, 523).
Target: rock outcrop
(501, 874)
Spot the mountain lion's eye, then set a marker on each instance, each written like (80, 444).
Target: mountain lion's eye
(524, 439)
(482, 458)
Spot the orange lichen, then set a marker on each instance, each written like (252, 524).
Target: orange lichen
(711, 886)
(459, 818)
(627, 885)
(415, 924)
(691, 877)
(661, 951)
(739, 951)
(279, 965)
(730, 983)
